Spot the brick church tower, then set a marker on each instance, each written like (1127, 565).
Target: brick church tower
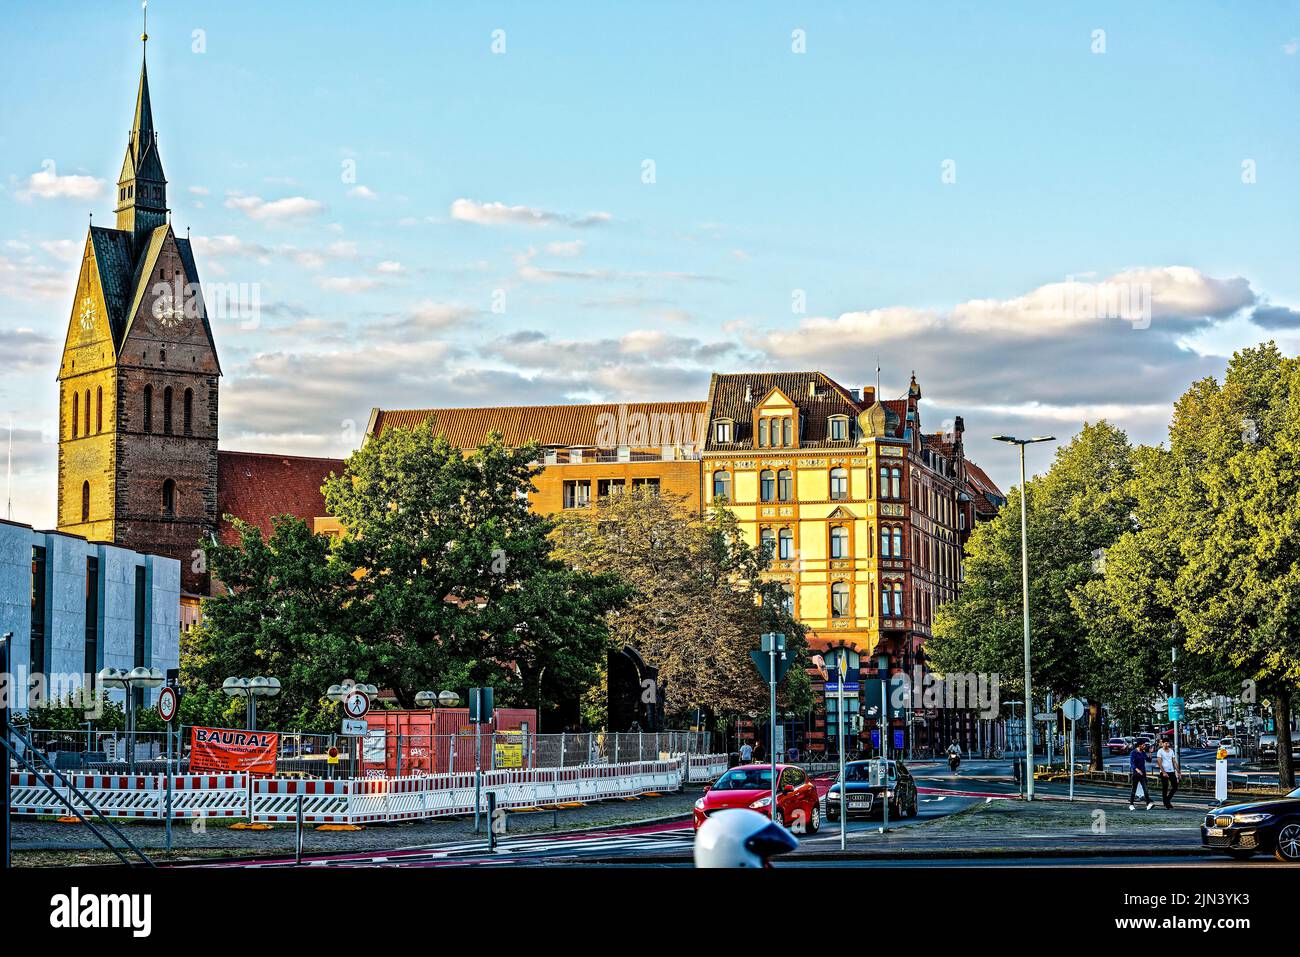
(138, 379)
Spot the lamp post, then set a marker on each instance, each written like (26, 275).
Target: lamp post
(431, 700)
(1024, 583)
(882, 662)
(139, 677)
(250, 689)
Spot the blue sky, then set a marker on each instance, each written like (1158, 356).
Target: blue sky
(500, 244)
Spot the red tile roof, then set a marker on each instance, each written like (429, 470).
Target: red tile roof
(256, 486)
(564, 426)
(988, 497)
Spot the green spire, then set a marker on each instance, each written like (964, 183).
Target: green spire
(142, 186)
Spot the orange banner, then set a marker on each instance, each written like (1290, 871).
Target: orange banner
(227, 749)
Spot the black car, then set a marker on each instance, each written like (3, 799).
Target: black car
(864, 798)
(1242, 830)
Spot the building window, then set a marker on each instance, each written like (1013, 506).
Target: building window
(99, 409)
(722, 430)
(787, 598)
(764, 426)
(76, 413)
(898, 599)
(92, 616)
(148, 408)
(767, 542)
(721, 485)
(786, 542)
(651, 485)
(189, 411)
(898, 541)
(884, 600)
(839, 541)
(87, 411)
(839, 428)
(784, 485)
(607, 487)
(85, 501)
(36, 654)
(767, 485)
(839, 600)
(839, 484)
(169, 498)
(895, 483)
(577, 493)
(167, 410)
(884, 541)
(787, 432)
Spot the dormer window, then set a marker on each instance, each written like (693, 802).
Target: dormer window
(839, 428)
(722, 430)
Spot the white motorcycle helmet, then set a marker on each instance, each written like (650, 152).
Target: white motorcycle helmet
(739, 837)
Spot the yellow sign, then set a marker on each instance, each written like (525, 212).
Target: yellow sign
(509, 755)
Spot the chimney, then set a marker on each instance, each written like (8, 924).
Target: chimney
(812, 388)
(856, 394)
(749, 392)
(868, 395)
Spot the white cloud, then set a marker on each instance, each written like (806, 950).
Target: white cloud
(499, 214)
(287, 209)
(363, 192)
(199, 190)
(1291, 46)
(48, 184)
(567, 250)
(63, 249)
(347, 285)
(389, 266)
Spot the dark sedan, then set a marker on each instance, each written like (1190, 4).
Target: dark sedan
(865, 797)
(1243, 830)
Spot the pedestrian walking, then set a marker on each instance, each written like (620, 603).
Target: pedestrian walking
(1137, 768)
(1167, 762)
(746, 753)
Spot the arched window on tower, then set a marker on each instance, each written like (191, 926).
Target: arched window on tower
(87, 411)
(167, 410)
(99, 409)
(76, 413)
(169, 498)
(85, 501)
(148, 408)
(189, 411)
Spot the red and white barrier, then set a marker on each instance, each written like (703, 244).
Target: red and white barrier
(343, 801)
(132, 795)
(704, 768)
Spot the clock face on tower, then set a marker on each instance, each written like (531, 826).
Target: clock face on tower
(86, 317)
(167, 312)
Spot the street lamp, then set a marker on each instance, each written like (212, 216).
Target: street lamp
(250, 689)
(1024, 582)
(139, 677)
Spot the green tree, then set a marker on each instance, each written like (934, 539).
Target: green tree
(1079, 507)
(455, 583)
(1236, 451)
(286, 611)
(698, 599)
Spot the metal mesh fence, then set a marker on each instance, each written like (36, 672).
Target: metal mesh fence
(381, 754)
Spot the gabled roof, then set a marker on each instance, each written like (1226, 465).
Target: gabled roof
(988, 498)
(112, 250)
(256, 487)
(561, 426)
(727, 401)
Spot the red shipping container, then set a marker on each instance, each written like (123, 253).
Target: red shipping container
(439, 740)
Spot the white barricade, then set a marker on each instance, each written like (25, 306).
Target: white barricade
(133, 795)
(704, 768)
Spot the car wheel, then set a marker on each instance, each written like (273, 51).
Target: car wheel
(1288, 844)
(815, 821)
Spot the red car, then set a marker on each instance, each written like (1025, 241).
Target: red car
(750, 786)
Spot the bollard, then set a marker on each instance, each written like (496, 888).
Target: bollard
(492, 820)
(297, 855)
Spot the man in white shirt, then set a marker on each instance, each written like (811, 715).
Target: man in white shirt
(1167, 762)
(746, 753)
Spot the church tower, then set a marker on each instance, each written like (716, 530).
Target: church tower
(138, 379)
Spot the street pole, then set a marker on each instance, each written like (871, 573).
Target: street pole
(771, 682)
(1071, 758)
(1051, 729)
(1024, 584)
(4, 751)
(1174, 652)
(843, 784)
(884, 732)
(478, 765)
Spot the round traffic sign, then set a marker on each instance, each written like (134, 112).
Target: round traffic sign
(356, 704)
(167, 703)
(1074, 708)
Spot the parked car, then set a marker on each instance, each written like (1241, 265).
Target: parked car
(1243, 830)
(863, 797)
(1119, 746)
(1230, 746)
(750, 786)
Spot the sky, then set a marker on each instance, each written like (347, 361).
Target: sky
(1051, 213)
